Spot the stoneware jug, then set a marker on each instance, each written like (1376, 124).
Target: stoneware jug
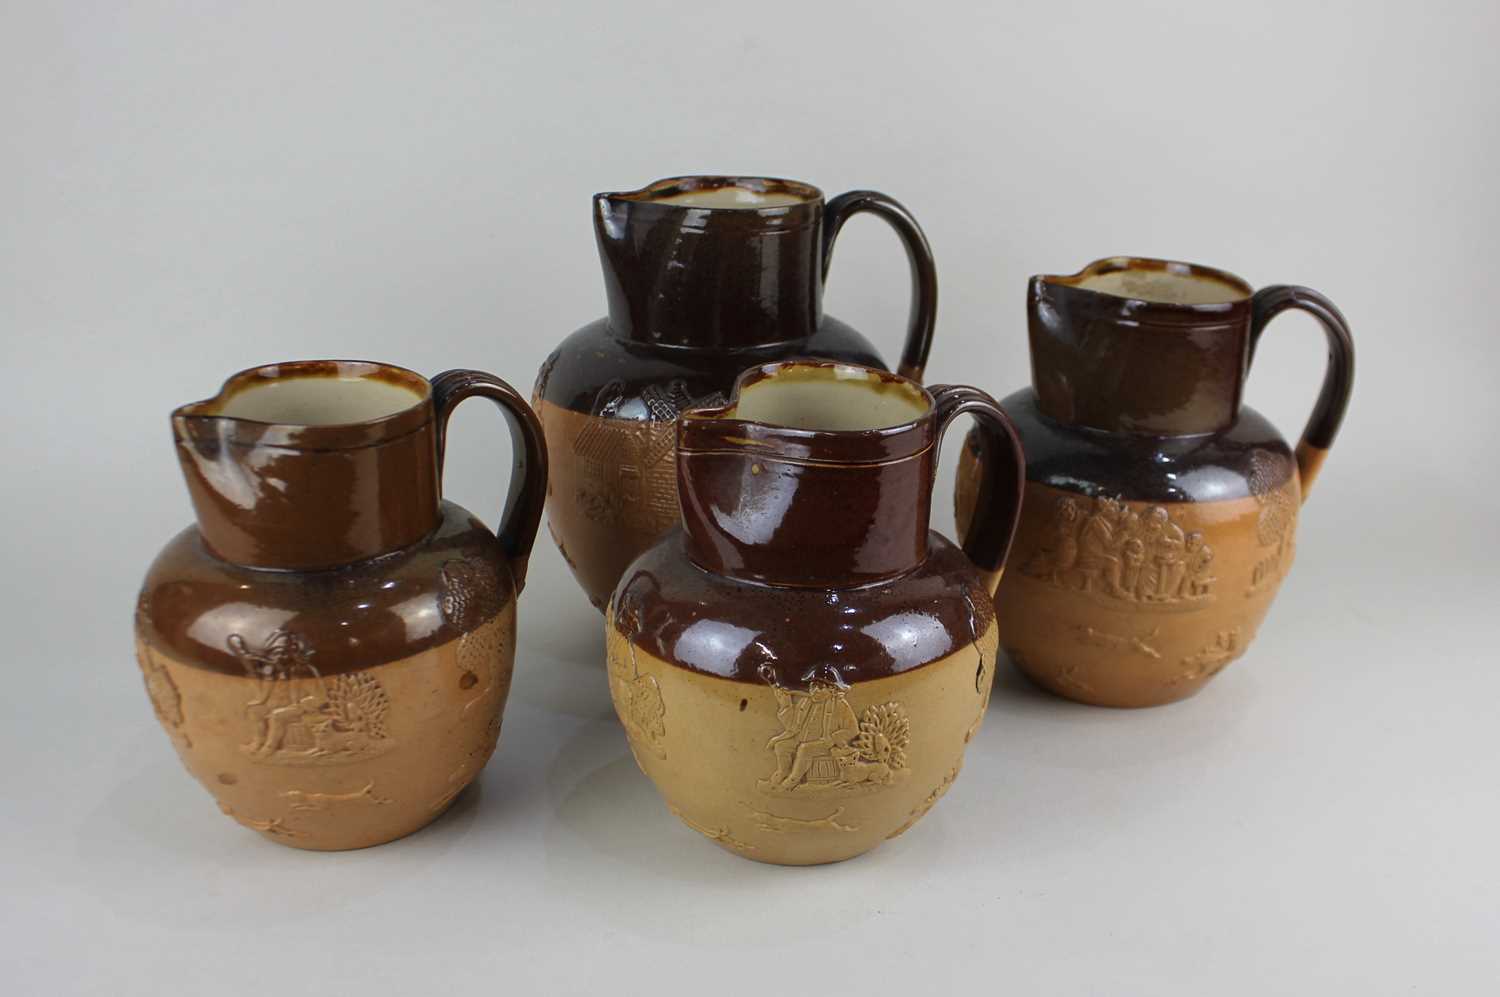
(330, 647)
(1161, 512)
(800, 666)
(705, 277)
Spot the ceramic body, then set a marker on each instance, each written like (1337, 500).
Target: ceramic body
(800, 665)
(1161, 513)
(706, 276)
(330, 646)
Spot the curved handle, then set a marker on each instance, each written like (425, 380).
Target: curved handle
(918, 253)
(1002, 475)
(1338, 381)
(528, 479)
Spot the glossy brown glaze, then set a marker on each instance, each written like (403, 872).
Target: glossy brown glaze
(1161, 511)
(740, 277)
(1123, 364)
(202, 609)
(1107, 360)
(716, 625)
(521, 515)
(1196, 467)
(330, 646)
(849, 507)
(804, 655)
(711, 278)
(697, 293)
(813, 546)
(820, 509)
(1338, 380)
(309, 496)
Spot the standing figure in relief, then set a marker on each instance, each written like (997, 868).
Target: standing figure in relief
(1098, 561)
(1200, 559)
(1169, 551)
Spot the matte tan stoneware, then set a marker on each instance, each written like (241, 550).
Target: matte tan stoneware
(330, 646)
(1161, 512)
(801, 663)
(705, 276)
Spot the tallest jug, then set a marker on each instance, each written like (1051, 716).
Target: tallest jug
(705, 277)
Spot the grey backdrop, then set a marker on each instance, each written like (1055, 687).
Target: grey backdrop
(189, 189)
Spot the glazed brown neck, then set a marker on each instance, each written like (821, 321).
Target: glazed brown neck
(807, 510)
(710, 278)
(321, 497)
(1125, 365)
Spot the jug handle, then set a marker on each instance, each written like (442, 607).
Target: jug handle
(1338, 380)
(528, 481)
(918, 253)
(1002, 462)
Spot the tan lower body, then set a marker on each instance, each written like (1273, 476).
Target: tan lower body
(1089, 615)
(611, 492)
(1309, 463)
(342, 761)
(733, 762)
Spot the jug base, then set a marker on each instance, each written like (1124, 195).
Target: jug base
(375, 842)
(1045, 682)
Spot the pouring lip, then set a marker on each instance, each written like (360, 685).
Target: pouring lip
(1237, 300)
(713, 429)
(203, 419)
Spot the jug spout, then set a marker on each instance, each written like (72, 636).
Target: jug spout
(1138, 345)
(712, 262)
(310, 465)
(815, 475)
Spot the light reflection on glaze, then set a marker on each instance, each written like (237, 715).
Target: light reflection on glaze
(213, 628)
(706, 641)
(764, 503)
(420, 615)
(730, 629)
(388, 607)
(783, 565)
(910, 637)
(1210, 468)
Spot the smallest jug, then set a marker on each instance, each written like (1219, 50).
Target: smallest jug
(1161, 512)
(330, 647)
(800, 666)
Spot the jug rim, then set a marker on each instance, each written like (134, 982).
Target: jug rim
(660, 194)
(710, 428)
(205, 417)
(1093, 280)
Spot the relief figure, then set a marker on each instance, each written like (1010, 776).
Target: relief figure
(298, 716)
(1112, 552)
(823, 746)
(641, 707)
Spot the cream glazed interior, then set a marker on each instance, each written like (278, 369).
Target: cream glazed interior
(346, 395)
(1173, 284)
(831, 398)
(731, 197)
(718, 193)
